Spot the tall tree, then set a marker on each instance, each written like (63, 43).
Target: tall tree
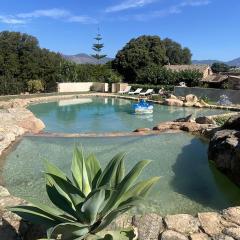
(97, 47)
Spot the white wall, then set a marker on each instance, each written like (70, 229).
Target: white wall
(82, 87)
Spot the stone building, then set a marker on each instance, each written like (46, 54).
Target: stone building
(203, 68)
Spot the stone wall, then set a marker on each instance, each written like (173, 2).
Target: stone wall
(82, 87)
(212, 93)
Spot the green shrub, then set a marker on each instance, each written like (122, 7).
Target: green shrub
(35, 86)
(220, 120)
(91, 200)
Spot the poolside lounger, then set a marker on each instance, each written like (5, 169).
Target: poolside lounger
(148, 92)
(136, 91)
(126, 90)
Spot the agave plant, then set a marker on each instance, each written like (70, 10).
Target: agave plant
(89, 201)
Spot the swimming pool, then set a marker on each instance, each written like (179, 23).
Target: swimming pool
(188, 183)
(103, 114)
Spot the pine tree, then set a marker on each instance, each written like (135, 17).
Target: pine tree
(97, 47)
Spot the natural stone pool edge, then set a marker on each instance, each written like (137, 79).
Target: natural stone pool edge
(224, 225)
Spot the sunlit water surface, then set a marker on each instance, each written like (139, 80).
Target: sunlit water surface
(101, 114)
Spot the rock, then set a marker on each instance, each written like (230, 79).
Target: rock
(211, 223)
(1, 137)
(233, 123)
(172, 235)
(199, 236)
(224, 150)
(121, 222)
(171, 96)
(205, 120)
(32, 124)
(191, 127)
(149, 226)
(188, 104)
(173, 102)
(164, 126)
(189, 118)
(142, 130)
(183, 223)
(191, 98)
(222, 237)
(198, 105)
(4, 192)
(233, 232)
(232, 214)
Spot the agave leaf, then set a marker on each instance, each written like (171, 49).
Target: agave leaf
(35, 215)
(108, 176)
(68, 231)
(54, 170)
(79, 172)
(60, 201)
(91, 206)
(93, 169)
(110, 217)
(73, 193)
(140, 189)
(120, 173)
(126, 183)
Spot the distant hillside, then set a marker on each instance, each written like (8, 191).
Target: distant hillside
(234, 62)
(83, 58)
(209, 62)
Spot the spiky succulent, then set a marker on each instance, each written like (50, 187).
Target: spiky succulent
(91, 200)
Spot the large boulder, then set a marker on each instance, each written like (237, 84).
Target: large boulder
(233, 123)
(205, 120)
(224, 150)
(191, 98)
(173, 102)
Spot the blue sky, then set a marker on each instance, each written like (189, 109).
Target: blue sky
(210, 28)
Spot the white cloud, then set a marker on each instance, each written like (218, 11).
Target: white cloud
(55, 13)
(174, 9)
(82, 19)
(11, 20)
(128, 4)
(51, 13)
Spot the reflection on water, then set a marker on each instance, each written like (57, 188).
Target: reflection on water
(101, 114)
(188, 184)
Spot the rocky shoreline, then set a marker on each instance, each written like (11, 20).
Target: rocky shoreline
(224, 225)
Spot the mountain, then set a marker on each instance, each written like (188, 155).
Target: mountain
(209, 62)
(234, 62)
(84, 58)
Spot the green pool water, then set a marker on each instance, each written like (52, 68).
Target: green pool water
(106, 115)
(188, 183)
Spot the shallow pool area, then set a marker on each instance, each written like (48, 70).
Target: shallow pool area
(188, 183)
(105, 114)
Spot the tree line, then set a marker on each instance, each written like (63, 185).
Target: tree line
(25, 67)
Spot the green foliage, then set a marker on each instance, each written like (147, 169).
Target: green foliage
(91, 200)
(146, 51)
(22, 60)
(220, 67)
(97, 47)
(220, 120)
(156, 75)
(35, 86)
(190, 77)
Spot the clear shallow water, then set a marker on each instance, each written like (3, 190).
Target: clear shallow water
(106, 115)
(188, 184)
